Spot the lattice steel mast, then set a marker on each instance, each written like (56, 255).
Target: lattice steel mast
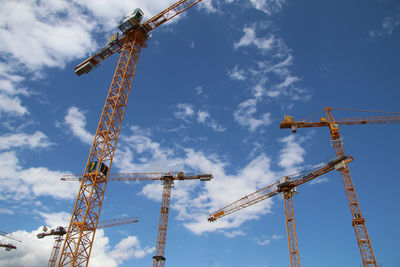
(358, 222)
(82, 228)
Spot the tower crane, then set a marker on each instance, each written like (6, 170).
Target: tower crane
(8, 246)
(82, 227)
(60, 231)
(287, 186)
(358, 223)
(167, 180)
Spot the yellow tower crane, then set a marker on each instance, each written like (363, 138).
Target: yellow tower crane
(82, 227)
(167, 179)
(360, 228)
(60, 231)
(287, 186)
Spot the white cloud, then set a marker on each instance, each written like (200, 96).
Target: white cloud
(183, 111)
(389, 23)
(187, 113)
(194, 200)
(202, 116)
(268, 6)
(56, 219)
(26, 183)
(36, 252)
(276, 236)
(272, 76)
(264, 243)
(76, 122)
(35, 140)
(250, 38)
(237, 74)
(208, 6)
(233, 234)
(245, 115)
(130, 247)
(58, 31)
(292, 154)
(199, 90)
(319, 181)
(6, 211)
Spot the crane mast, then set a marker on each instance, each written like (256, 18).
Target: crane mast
(360, 228)
(159, 257)
(287, 186)
(82, 228)
(358, 220)
(291, 227)
(79, 240)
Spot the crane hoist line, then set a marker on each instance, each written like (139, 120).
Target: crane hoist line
(81, 231)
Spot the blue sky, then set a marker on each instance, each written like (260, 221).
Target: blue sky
(208, 95)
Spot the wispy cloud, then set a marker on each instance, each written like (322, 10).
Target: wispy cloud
(245, 115)
(57, 33)
(75, 120)
(27, 183)
(292, 154)
(187, 113)
(35, 140)
(268, 6)
(389, 24)
(237, 74)
(319, 181)
(272, 76)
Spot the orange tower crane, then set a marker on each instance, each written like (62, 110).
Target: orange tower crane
(60, 231)
(167, 180)
(360, 228)
(8, 246)
(287, 186)
(82, 227)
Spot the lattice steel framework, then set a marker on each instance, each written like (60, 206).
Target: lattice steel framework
(291, 228)
(80, 235)
(287, 186)
(358, 220)
(360, 228)
(81, 231)
(159, 257)
(54, 252)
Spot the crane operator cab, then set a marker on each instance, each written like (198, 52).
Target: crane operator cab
(131, 21)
